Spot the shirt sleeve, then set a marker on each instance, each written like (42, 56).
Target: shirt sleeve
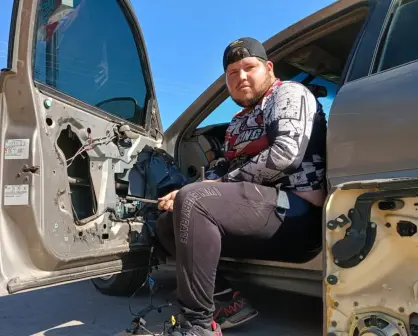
(289, 114)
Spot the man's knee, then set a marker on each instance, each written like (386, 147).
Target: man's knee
(196, 191)
(182, 196)
(185, 191)
(193, 195)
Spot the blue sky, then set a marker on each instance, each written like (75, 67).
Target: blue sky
(185, 40)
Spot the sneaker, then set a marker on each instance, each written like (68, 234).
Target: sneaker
(198, 331)
(233, 311)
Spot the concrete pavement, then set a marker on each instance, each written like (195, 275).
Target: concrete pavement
(79, 309)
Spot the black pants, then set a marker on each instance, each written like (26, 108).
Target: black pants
(210, 217)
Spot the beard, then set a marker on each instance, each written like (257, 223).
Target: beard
(251, 101)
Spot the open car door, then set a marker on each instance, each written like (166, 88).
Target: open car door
(371, 223)
(77, 105)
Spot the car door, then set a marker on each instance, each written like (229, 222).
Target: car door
(77, 105)
(371, 214)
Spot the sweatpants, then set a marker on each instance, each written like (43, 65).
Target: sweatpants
(211, 217)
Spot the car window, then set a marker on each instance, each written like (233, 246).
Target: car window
(86, 50)
(400, 45)
(331, 90)
(224, 112)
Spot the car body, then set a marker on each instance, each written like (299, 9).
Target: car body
(74, 122)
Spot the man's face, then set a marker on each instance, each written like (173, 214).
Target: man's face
(248, 79)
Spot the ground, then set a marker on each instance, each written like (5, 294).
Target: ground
(78, 310)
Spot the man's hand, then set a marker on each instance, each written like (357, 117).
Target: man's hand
(167, 202)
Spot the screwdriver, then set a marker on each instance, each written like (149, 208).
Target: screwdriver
(144, 200)
(202, 173)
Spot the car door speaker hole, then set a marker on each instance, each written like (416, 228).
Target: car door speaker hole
(78, 169)
(49, 122)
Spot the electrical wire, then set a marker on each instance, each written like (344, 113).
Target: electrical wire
(150, 305)
(140, 326)
(79, 152)
(89, 146)
(143, 284)
(150, 332)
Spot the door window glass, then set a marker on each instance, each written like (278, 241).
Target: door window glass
(401, 42)
(86, 50)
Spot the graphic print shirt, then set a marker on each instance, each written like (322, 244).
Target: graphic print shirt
(281, 141)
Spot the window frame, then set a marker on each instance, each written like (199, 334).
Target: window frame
(150, 100)
(347, 70)
(12, 33)
(382, 40)
(364, 50)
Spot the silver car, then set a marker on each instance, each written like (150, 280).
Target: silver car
(78, 105)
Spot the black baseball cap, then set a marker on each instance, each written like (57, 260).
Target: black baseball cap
(242, 48)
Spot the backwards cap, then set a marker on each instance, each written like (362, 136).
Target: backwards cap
(242, 48)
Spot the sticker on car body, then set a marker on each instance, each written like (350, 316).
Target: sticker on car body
(16, 194)
(16, 149)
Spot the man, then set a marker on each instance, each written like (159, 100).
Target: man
(273, 180)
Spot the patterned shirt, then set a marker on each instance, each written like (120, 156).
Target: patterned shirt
(280, 141)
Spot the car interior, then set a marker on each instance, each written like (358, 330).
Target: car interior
(319, 65)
